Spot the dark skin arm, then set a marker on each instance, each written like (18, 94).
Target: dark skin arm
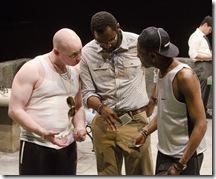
(152, 101)
(109, 115)
(186, 88)
(150, 128)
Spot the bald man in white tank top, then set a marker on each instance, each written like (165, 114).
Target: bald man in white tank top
(46, 102)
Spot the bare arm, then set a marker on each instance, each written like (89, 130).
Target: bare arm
(148, 129)
(152, 100)
(189, 87)
(24, 83)
(79, 118)
(22, 87)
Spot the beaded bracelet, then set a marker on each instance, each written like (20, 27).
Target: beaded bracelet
(144, 132)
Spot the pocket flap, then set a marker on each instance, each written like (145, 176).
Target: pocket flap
(131, 63)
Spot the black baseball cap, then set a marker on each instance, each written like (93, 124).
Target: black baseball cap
(158, 40)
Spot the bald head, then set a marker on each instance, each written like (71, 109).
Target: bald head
(66, 40)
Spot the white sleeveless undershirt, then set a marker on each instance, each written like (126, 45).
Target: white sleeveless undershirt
(172, 123)
(48, 106)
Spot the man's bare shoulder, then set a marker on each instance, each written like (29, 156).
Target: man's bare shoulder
(187, 80)
(186, 74)
(29, 70)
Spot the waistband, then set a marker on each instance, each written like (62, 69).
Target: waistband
(196, 62)
(132, 112)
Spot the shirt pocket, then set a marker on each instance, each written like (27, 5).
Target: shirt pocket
(102, 73)
(131, 68)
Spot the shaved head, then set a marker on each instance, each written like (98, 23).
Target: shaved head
(66, 40)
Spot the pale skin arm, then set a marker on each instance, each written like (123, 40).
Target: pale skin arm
(79, 119)
(22, 87)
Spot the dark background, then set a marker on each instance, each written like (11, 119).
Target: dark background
(27, 27)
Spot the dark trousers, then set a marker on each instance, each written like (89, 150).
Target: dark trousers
(203, 71)
(193, 166)
(39, 160)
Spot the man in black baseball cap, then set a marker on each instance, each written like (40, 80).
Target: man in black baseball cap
(180, 120)
(157, 40)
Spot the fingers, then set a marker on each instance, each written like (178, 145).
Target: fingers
(79, 135)
(60, 141)
(110, 117)
(115, 117)
(140, 139)
(111, 124)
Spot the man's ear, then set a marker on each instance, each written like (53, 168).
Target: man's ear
(153, 56)
(56, 52)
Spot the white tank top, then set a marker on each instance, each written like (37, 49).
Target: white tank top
(48, 106)
(172, 123)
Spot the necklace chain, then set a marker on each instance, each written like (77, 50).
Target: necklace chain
(65, 77)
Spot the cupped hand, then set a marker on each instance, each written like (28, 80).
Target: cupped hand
(55, 139)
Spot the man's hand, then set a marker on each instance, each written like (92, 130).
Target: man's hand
(175, 169)
(79, 135)
(51, 136)
(110, 116)
(140, 139)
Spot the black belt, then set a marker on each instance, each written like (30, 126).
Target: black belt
(203, 61)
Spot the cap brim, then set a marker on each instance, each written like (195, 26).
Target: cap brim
(171, 51)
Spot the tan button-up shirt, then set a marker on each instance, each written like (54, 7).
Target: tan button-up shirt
(117, 78)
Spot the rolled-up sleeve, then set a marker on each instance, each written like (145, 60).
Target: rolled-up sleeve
(88, 86)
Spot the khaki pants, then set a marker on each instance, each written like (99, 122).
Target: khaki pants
(111, 146)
